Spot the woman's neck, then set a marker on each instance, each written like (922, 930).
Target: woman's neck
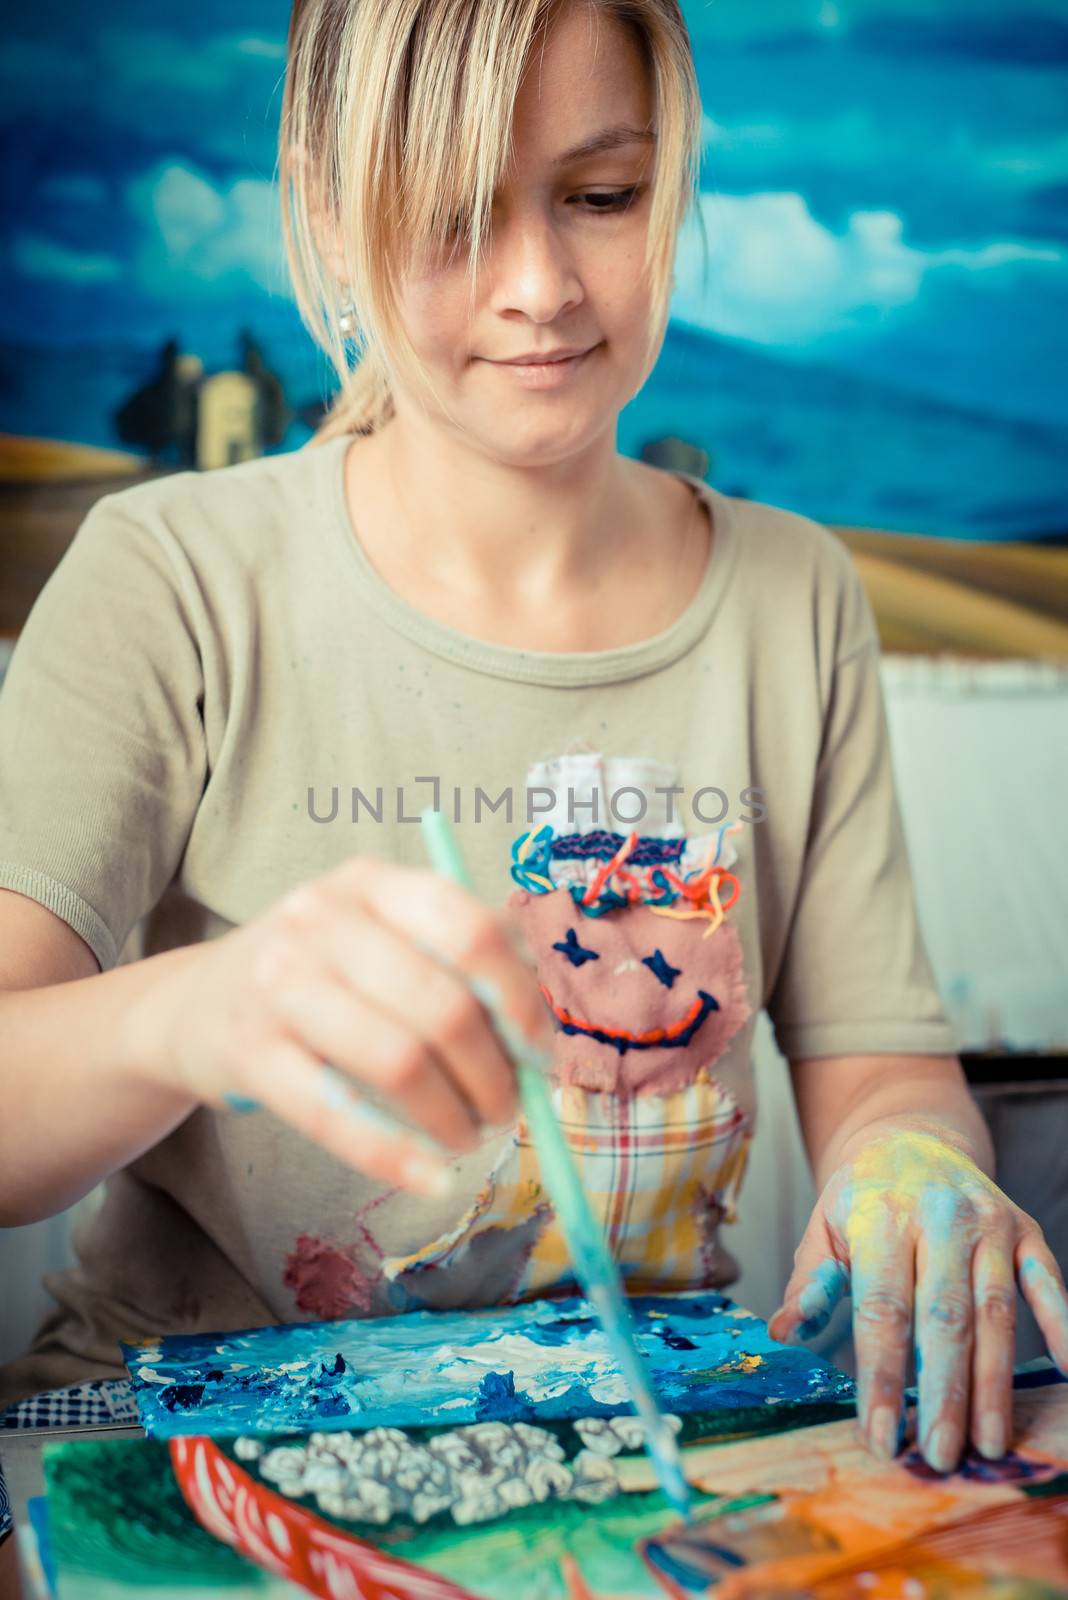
(542, 561)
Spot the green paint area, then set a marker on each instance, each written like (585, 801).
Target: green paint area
(115, 1511)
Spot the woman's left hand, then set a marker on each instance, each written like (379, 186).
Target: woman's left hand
(919, 1235)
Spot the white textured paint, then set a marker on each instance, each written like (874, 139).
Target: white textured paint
(541, 1371)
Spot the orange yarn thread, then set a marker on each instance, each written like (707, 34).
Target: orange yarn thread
(701, 890)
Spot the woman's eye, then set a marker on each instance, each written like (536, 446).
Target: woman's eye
(617, 200)
(598, 202)
(453, 227)
(449, 238)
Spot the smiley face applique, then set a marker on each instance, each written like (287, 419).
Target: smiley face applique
(646, 991)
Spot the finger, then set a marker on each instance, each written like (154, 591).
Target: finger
(944, 1327)
(1043, 1289)
(818, 1282)
(994, 1353)
(883, 1273)
(335, 1024)
(481, 940)
(380, 963)
(320, 1103)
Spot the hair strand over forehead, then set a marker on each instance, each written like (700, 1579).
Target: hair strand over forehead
(397, 126)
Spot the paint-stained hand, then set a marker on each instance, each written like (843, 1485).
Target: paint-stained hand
(926, 1243)
(353, 1009)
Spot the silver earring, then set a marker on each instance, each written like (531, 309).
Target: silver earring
(346, 317)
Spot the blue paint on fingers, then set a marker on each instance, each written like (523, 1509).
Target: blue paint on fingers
(242, 1104)
(828, 1284)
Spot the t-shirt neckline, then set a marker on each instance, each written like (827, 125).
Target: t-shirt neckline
(570, 668)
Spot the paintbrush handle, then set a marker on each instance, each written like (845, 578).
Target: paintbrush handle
(599, 1275)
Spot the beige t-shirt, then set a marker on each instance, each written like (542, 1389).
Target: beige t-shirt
(217, 696)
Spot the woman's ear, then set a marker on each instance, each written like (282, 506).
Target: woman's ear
(301, 172)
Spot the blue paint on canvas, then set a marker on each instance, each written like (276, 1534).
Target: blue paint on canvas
(545, 1359)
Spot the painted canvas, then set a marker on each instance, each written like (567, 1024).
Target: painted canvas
(538, 1360)
(555, 1511)
(876, 338)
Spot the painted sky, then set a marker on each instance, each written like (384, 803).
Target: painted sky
(884, 193)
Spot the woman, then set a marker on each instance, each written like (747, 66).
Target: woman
(233, 676)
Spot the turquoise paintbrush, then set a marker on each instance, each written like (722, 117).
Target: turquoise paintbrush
(594, 1267)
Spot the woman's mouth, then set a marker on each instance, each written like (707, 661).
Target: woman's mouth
(544, 374)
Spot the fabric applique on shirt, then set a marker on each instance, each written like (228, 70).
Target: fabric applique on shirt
(643, 971)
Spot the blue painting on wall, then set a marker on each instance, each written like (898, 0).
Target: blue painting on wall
(880, 338)
(545, 1359)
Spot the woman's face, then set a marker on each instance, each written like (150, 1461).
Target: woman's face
(563, 260)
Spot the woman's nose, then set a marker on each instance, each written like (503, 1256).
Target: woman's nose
(532, 268)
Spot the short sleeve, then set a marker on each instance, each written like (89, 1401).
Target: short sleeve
(855, 977)
(102, 749)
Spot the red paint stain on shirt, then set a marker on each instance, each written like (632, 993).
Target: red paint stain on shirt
(328, 1279)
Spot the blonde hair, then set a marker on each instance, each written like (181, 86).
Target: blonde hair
(396, 121)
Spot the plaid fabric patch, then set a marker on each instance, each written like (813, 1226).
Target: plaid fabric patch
(661, 1173)
(80, 1405)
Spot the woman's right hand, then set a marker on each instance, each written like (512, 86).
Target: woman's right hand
(358, 979)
